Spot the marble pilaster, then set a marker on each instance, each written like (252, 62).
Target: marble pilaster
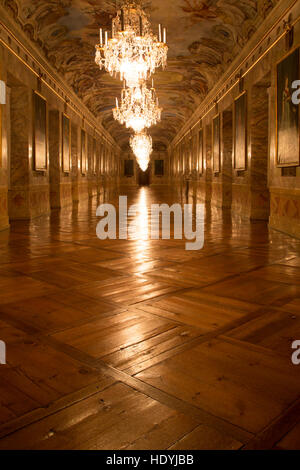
(208, 163)
(259, 129)
(60, 183)
(75, 159)
(285, 210)
(92, 183)
(4, 222)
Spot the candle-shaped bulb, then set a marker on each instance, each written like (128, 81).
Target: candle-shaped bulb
(152, 83)
(122, 20)
(106, 38)
(159, 32)
(165, 36)
(101, 37)
(141, 26)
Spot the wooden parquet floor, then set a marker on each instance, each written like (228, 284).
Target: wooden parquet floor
(141, 344)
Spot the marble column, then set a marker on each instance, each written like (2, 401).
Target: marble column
(101, 171)
(259, 128)
(227, 155)
(222, 181)
(92, 185)
(208, 163)
(4, 121)
(29, 194)
(75, 156)
(19, 207)
(82, 177)
(98, 172)
(60, 183)
(54, 158)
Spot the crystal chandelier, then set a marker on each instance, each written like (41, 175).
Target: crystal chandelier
(139, 108)
(141, 145)
(133, 52)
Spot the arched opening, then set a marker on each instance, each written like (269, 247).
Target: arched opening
(144, 177)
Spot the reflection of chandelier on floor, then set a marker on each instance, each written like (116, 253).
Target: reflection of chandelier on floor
(138, 109)
(141, 145)
(133, 52)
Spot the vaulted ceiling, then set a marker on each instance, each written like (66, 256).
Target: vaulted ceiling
(204, 36)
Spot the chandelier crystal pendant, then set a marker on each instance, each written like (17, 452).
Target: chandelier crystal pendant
(141, 145)
(132, 52)
(139, 108)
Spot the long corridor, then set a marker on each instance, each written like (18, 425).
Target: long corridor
(140, 344)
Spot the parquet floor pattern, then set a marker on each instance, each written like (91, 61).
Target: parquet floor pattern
(141, 344)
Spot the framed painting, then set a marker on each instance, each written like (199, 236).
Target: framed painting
(128, 168)
(66, 144)
(108, 161)
(190, 152)
(194, 152)
(159, 168)
(95, 157)
(40, 136)
(216, 144)
(105, 160)
(200, 151)
(181, 157)
(287, 113)
(83, 155)
(240, 132)
(186, 154)
(102, 157)
(0, 135)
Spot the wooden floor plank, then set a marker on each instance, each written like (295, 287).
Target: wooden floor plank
(274, 329)
(205, 438)
(245, 387)
(265, 292)
(140, 344)
(292, 440)
(95, 423)
(35, 374)
(113, 334)
(197, 308)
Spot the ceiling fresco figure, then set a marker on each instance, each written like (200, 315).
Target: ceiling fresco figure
(204, 36)
(199, 10)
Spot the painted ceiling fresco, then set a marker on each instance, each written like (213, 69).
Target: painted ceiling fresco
(204, 36)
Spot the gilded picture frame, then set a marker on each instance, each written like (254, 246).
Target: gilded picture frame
(159, 167)
(240, 131)
(66, 144)
(83, 153)
(216, 139)
(200, 151)
(95, 157)
(40, 132)
(1, 135)
(129, 168)
(287, 113)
